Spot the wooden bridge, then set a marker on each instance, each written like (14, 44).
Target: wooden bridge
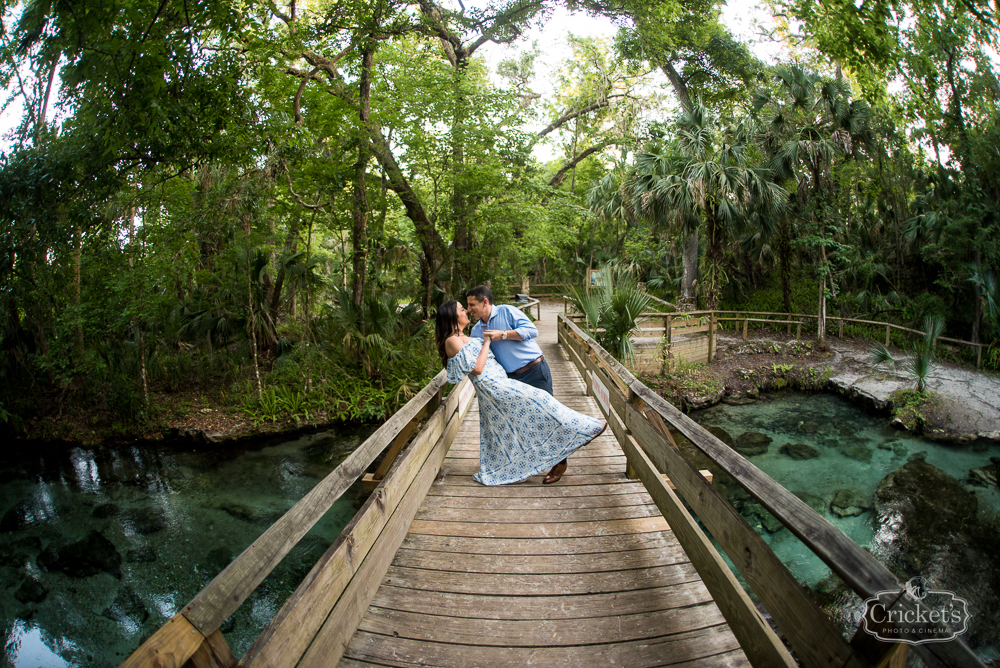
(606, 568)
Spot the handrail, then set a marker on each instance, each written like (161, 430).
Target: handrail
(194, 631)
(637, 413)
(747, 317)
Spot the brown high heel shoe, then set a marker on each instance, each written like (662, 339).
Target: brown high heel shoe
(554, 474)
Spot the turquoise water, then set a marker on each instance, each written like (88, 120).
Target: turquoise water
(173, 518)
(857, 450)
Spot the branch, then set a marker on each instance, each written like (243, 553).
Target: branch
(570, 115)
(298, 199)
(298, 95)
(560, 176)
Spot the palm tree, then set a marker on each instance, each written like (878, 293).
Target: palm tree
(921, 362)
(710, 177)
(806, 125)
(612, 310)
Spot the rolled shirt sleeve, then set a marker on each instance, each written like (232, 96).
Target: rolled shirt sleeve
(520, 323)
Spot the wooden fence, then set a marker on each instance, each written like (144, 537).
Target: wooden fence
(788, 321)
(641, 421)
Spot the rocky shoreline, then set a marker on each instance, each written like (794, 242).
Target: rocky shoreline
(963, 405)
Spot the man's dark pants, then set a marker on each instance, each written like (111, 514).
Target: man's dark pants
(537, 376)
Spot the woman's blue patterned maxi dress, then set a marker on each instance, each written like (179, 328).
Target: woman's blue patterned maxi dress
(523, 431)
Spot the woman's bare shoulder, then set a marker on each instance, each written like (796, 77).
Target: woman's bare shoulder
(453, 344)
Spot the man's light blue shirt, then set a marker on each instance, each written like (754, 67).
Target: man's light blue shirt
(512, 355)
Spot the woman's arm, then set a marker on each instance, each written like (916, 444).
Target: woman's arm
(483, 356)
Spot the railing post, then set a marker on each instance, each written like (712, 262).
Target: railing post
(840, 332)
(711, 335)
(888, 330)
(979, 355)
(798, 331)
(669, 332)
(746, 323)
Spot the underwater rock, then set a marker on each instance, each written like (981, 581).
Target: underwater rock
(127, 606)
(90, 556)
(900, 450)
(809, 427)
(985, 476)
(721, 434)
(862, 453)
(31, 591)
(142, 555)
(921, 456)
(23, 515)
(143, 521)
(738, 400)
(926, 523)
(15, 552)
(105, 510)
(799, 451)
(848, 503)
(814, 501)
(215, 561)
(752, 443)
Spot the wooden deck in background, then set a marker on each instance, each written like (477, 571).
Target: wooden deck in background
(585, 572)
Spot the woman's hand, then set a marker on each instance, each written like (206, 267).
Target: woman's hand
(484, 354)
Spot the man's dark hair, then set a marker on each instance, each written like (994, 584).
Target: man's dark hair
(480, 292)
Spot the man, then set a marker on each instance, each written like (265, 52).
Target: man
(511, 333)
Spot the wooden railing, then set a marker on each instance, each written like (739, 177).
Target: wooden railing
(327, 606)
(641, 421)
(334, 595)
(796, 320)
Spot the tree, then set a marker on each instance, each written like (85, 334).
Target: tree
(806, 124)
(710, 175)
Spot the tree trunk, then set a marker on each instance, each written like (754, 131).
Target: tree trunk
(785, 253)
(464, 259)
(680, 88)
(821, 315)
(359, 234)
(77, 253)
(690, 273)
(291, 247)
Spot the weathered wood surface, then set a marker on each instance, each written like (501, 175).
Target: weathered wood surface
(220, 599)
(858, 568)
(584, 572)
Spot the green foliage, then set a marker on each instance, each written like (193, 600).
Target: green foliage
(921, 361)
(612, 310)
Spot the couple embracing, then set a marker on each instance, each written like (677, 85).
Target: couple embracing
(523, 429)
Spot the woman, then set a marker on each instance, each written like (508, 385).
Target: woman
(522, 430)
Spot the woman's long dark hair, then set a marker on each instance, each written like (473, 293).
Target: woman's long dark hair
(445, 325)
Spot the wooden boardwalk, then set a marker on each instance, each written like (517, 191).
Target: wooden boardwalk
(584, 572)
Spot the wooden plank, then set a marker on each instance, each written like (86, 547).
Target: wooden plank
(470, 466)
(531, 584)
(569, 479)
(170, 647)
(758, 641)
(475, 606)
(808, 629)
(329, 643)
(619, 486)
(533, 563)
(859, 569)
(555, 530)
(537, 503)
(220, 599)
(540, 632)
(543, 516)
(213, 653)
(662, 651)
(292, 629)
(663, 540)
